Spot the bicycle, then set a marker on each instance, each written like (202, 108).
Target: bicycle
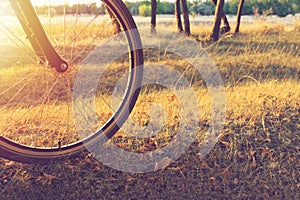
(36, 82)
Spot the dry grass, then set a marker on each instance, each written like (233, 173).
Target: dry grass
(297, 26)
(36, 101)
(256, 156)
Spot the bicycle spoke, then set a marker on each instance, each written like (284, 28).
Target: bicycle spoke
(37, 105)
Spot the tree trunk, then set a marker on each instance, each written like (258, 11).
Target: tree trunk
(217, 20)
(186, 19)
(114, 21)
(239, 14)
(153, 15)
(178, 16)
(226, 27)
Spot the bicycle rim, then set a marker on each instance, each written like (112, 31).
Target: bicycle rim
(36, 103)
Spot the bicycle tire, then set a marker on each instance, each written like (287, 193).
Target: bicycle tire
(17, 151)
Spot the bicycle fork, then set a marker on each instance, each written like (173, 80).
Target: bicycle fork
(36, 34)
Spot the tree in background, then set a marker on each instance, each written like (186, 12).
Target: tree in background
(217, 20)
(165, 7)
(186, 20)
(145, 10)
(161, 7)
(133, 7)
(198, 7)
(280, 7)
(153, 16)
(226, 28)
(239, 14)
(201, 7)
(185, 13)
(177, 11)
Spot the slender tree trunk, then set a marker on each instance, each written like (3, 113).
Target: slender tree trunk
(226, 27)
(186, 19)
(217, 20)
(239, 14)
(114, 21)
(153, 16)
(178, 16)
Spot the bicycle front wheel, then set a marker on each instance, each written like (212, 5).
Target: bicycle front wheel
(37, 110)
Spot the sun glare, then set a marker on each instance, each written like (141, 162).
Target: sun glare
(55, 2)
